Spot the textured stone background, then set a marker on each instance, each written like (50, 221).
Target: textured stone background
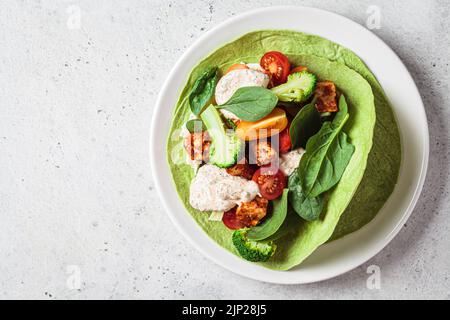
(75, 182)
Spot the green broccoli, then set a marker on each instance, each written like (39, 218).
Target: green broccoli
(298, 88)
(252, 250)
(226, 146)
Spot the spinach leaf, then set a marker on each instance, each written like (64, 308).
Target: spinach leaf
(272, 223)
(251, 103)
(327, 155)
(342, 113)
(305, 124)
(306, 207)
(203, 90)
(195, 125)
(290, 224)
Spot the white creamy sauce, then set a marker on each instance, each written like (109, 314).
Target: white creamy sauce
(255, 66)
(234, 80)
(213, 189)
(290, 161)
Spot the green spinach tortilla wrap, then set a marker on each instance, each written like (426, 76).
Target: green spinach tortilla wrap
(371, 173)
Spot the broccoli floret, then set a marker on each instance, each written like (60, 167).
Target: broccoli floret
(252, 250)
(225, 153)
(298, 88)
(226, 146)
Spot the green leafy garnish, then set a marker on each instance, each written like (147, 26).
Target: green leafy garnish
(305, 124)
(342, 115)
(203, 90)
(306, 207)
(290, 224)
(195, 125)
(327, 155)
(274, 222)
(251, 103)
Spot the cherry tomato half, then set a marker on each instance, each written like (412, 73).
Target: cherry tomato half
(285, 141)
(271, 182)
(230, 220)
(277, 65)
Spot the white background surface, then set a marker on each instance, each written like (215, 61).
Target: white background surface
(75, 182)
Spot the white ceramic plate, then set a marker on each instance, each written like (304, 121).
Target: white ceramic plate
(339, 256)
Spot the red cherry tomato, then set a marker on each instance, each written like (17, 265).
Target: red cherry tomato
(277, 66)
(285, 141)
(271, 182)
(230, 220)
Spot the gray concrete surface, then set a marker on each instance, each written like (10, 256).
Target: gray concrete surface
(77, 200)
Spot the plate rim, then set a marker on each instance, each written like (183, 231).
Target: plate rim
(284, 280)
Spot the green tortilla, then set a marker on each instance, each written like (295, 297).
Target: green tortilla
(369, 178)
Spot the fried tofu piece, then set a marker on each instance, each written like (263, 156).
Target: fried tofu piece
(251, 213)
(243, 170)
(326, 97)
(264, 153)
(197, 145)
